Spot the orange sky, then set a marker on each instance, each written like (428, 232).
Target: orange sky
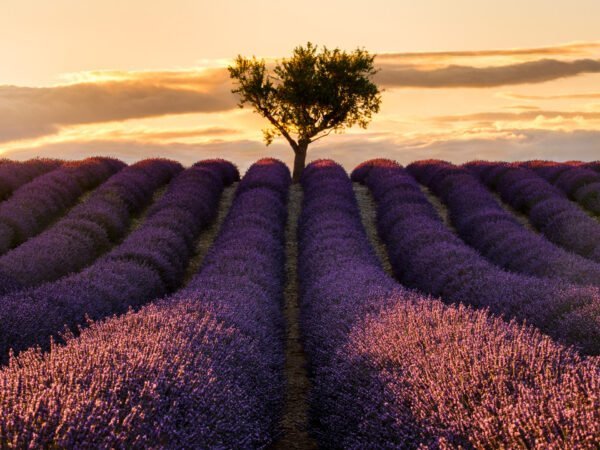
(462, 79)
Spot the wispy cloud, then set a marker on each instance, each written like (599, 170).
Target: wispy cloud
(523, 107)
(518, 116)
(480, 77)
(573, 49)
(146, 135)
(32, 112)
(582, 96)
(515, 144)
(204, 78)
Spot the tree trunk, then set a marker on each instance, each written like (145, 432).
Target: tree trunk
(299, 162)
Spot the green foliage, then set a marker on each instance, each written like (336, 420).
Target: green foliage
(311, 94)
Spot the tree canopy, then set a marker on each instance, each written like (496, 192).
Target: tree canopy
(309, 95)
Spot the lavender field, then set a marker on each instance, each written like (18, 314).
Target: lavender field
(431, 306)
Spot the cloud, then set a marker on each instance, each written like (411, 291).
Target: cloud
(523, 107)
(168, 135)
(198, 79)
(27, 112)
(584, 96)
(349, 150)
(110, 96)
(509, 145)
(480, 77)
(518, 116)
(516, 145)
(577, 48)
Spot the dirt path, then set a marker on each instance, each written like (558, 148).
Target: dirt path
(368, 215)
(438, 205)
(521, 218)
(81, 199)
(139, 218)
(443, 211)
(294, 423)
(206, 237)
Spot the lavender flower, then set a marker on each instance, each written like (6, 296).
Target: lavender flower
(14, 174)
(580, 183)
(35, 204)
(594, 165)
(425, 254)
(90, 228)
(548, 208)
(486, 226)
(393, 369)
(149, 263)
(201, 369)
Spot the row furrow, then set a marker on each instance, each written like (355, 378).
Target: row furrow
(547, 207)
(150, 262)
(205, 367)
(428, 256)
(34, 205)
(89, 229)
(394, 369)
(579, 182)
(202, 368)
(14, 174)
(482, 223)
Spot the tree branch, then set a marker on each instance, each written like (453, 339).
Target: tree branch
(279, 127)
(322, 136)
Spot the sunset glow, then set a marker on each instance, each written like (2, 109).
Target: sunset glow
(461, 82)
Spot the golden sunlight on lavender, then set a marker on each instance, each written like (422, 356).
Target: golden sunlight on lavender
(300, 225)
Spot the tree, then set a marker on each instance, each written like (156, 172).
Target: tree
(309, 95)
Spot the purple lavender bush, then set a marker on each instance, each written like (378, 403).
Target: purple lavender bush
(35, 204)
(90, 228)
(14, 174)
(485, 225)
(8, 284)
(427, 255)
(150, 262)
(594, 165)
(548, 207)
(200, 369)
(580, 183)
(549, 170)
(391, 368)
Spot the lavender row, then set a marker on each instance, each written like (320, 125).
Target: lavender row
(14, 174)
(150, 262)
(36, 204)
(90, 228)
(548, 208)
(579, 182)
(201, 369)
(594, 165)
(393, 369)
(486, 226)
(425, 254)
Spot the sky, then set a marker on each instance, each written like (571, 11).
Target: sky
(462, 80)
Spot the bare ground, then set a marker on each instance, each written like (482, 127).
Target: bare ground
(294, 423)
(81, 199)
(139, 218)
(443, 211)
(206, 238)
(522, 218)
(368, 215)
(439, 206)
